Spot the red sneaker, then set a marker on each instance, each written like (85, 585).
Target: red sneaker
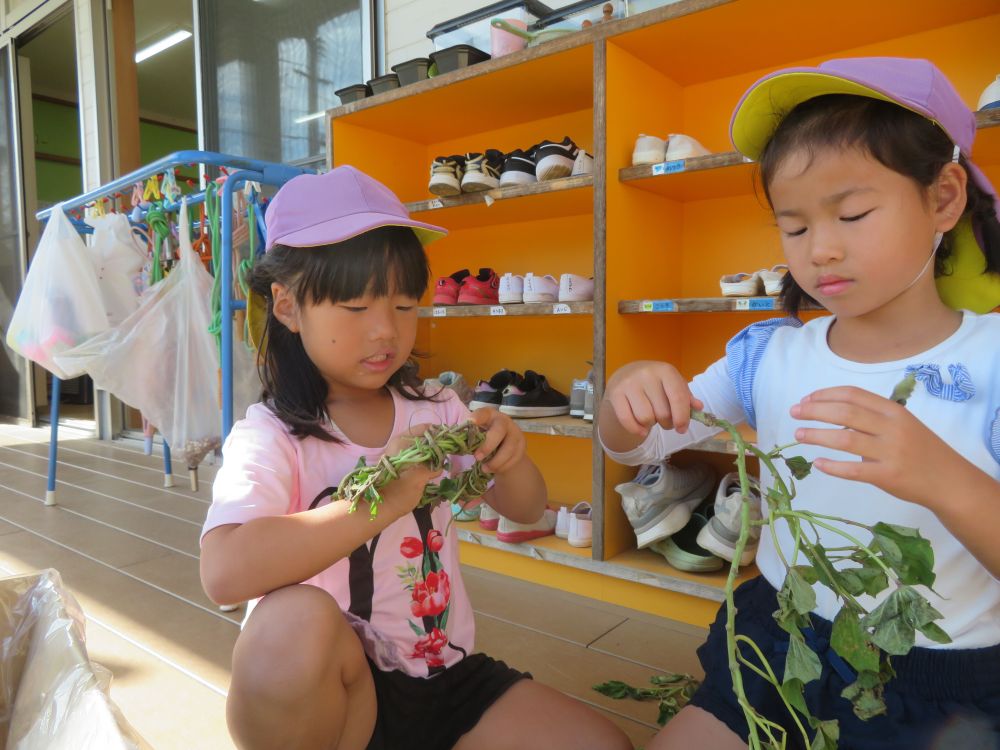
(447, 288)
(483, 289)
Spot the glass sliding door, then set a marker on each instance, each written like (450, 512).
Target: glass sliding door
(15, 386)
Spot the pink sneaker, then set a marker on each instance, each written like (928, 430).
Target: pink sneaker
(483, 289)
(447, 288)
(489, 519)
(513, 533)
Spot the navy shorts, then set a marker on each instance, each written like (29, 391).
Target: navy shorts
(432, 714)
(940, 699)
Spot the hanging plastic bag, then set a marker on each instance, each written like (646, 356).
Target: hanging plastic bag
(60, 305)
(118, 258)
(162, 359)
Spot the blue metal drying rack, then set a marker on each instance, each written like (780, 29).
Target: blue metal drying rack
(241, 171)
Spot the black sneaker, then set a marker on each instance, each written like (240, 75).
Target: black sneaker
(533, 397)
(490, 393)
(518, 169)
(482, 171)
(554, 160)
(446, 175)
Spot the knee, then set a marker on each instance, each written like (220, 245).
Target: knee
(295, 640)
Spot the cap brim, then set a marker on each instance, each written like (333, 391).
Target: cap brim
(346, 227)
(762, 108)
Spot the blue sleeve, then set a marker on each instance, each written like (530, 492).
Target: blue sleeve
(993, 441)
(743, 355)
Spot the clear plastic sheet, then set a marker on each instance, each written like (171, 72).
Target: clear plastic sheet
(52, 697)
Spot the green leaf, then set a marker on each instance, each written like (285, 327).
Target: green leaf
(419, 631)
(851, 641)
(827, 735)
(934, 633)
(891, 630)
(866, 695)
(614, 689)
(802, 663)
(904, 389)
(906, 552)
(801, 593)
(793, 692)
(798, 466)
(868, 579)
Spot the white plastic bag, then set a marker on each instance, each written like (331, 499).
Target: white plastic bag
(117, 258)
(162, 359)
(52, 697)
(60, 305)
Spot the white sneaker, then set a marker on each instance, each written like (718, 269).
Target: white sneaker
(648, 150)
(581, 526)
(588, 402)
(772, 279)
(740, 285)
(722, 532)
(562, 522)
(511, 289)
(512, 532)
(680, 146)
(573, 288)
(540, 288)
(584, 164)
(661, 498)
(489, 519)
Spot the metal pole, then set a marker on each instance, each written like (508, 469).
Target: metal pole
(50, 492)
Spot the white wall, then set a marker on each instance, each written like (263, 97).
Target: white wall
(408, 21)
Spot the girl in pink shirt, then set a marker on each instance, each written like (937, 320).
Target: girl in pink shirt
(376, 650)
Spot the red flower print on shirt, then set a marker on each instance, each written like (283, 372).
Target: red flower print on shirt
(431, 595)
(435, 540)
(430, 647)
(411, 547)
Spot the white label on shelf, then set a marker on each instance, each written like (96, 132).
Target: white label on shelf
(741, 304)
(440, 312)
(669, 167)
(498, 310)
(561, 309)
(657, 305)
(436, 203)
(762, 303)
(488, 200)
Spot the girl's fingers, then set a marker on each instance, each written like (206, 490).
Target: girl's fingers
(680, 408)
(623, 412)
(863, 445)
(842, 413)
(642, 410)
(853, 395)
(662, 412)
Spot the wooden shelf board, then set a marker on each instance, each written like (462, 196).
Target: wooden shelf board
(568, 196)
(638, 566)
(500, 311)
(532, 84)
(806, 31)
(565, 426)
(697, 178)
(702, 305)
(986, 150)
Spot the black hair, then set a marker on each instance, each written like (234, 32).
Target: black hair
(378, 262)
(903, 141)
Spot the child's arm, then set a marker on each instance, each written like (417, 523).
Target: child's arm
(518, 491)
(244, 561)
(903, 457)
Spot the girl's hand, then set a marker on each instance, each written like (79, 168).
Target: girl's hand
(899, 453)
(645, 393)
(503, 436)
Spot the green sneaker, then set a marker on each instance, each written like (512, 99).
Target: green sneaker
(683, 551)
(465, 514)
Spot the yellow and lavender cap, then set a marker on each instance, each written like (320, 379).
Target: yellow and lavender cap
(916, 85)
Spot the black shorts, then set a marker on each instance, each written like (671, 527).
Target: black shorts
(940, 699)
(432, 714)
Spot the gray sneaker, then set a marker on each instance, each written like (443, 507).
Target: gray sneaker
(723, 530)
(588, 402)
(577, 396)
(448, 379)
(661, 498)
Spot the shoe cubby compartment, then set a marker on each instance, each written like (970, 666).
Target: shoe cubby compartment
(656, 238)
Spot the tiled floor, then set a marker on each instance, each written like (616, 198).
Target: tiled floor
(128, 549)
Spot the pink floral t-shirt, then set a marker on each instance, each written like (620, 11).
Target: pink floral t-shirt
(402, 591)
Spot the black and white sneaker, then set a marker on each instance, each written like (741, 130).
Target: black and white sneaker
(533, 397)
(555, 160)
(489, 393)
(482, 171)
(518, 169)
(446, 175)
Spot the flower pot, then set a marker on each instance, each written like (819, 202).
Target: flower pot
(459, 56)
(353, 93)
(412, 71)
(388, 82)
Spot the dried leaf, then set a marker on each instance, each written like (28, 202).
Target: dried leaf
(801, 663)
(851, 641)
